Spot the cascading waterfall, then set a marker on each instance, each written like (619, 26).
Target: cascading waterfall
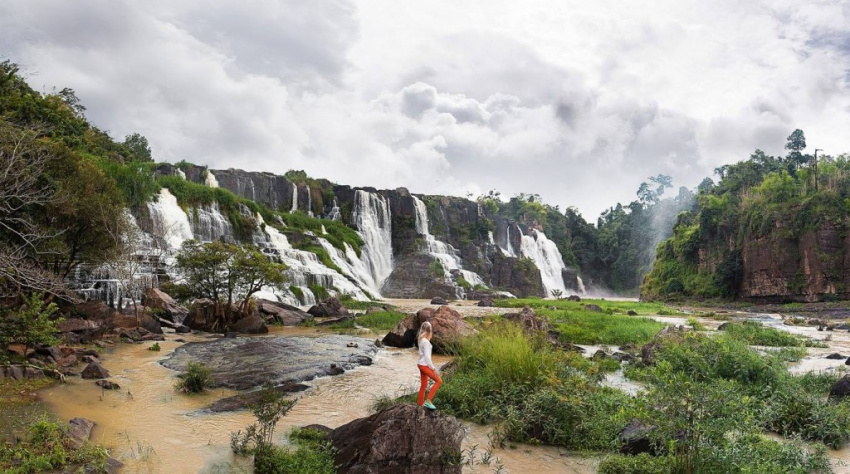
(547, 257)
(371, 217)
(335, 214)
(443, 252)
(309, 202)
(294, 198)
(170, 223)
(210, 180)
(509, 247)
(208, 224)
(179, 172)
(580, 285)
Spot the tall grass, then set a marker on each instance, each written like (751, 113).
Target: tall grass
(381, 321)
(755, 333)
(580, 326)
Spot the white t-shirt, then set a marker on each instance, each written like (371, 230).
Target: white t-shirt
(425, 353)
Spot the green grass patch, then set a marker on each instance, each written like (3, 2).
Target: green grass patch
(381, 321)
(586, 327)
(608, 307)
(48, 447)
(756, 334)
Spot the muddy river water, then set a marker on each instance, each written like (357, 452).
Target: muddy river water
(153, 429)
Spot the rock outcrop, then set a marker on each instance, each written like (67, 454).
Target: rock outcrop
(402, 438)
(162, 303)
(447, 324)
(281, 313)
(529, 321)
(329, 308)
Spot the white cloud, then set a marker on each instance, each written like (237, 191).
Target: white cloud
(576, 101)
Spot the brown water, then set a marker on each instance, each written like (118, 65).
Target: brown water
(153, 429)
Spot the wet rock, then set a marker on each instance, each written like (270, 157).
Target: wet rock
(835, 356)
(404, 333)
(113, 466)
(351, 344)
(379, 343)
(841, 389)
(69, 361)
(333, 321)
(249, 362)
(335, 370)
(402, 438)
(555, 340)
(245, 400)
(359, 359)
(183, 329)
(329, 308)
(250, 325)
(528, 319)
(94, 371)
(847, 362)
(842, 327)
(107, 385)
(282, 313)
(623, 356)
(593, 307)
(636, 439)
(438, 300)
(632, 312)
(600, 355)
(79, 429)
(164, 304)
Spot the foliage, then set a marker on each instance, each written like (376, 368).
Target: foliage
(155, 347)
(226, 273)
(138, 146)
(198, 377)
(754, 333)
(436, 269)
(640, 464)
(30, 325)
(382, 320)
(48, 447)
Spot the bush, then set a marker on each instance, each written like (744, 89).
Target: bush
(49, 448)
(197, 378)
(29, 325)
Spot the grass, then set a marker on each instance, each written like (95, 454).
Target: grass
(755, 333)
(197, 378)
(608, 307)
(48, 447)
(585, 327)
(381, 321)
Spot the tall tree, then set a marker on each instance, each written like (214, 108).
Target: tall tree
(139, 146)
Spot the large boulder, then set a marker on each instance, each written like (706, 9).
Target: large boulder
(448, 326)
(250, 325)
(163, 304)
(636, 438)
(404, 333)
(402, 438)
(841, 389)
(282, 313)
(95, 371)
(201, 315)
(529, 321)
(329, 308)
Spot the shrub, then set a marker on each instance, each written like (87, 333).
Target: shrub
(49, 448)
(29, 325)
(155, 347)
(197, 378)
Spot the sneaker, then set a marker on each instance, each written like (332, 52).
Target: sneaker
(429, 405)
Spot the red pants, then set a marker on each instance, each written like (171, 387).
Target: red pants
(425, 373)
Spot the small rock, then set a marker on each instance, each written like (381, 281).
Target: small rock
(80, 430)
(842, 326)
(574, 298)
(107, 385)
(88, 359)
(593, 307)
(632, 312)
(835, 356)
(335, 370)
(600, 355)
(95, 371)
(379, 343)
(623, 356)
(180, 339)
(14, 372)
(352, 344)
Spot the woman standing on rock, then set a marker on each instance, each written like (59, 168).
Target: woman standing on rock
(426, 367)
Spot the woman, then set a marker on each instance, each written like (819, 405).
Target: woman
(426, 367)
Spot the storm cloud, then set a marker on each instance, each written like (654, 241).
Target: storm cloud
(576, 102)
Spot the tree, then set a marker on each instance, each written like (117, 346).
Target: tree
(138, 145)
(30, 325)
(796, 144)
(225, 273)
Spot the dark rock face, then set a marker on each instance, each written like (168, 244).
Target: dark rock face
(250, 325)
(520, 277)
(404, 334)
(282, 313)
(161, 301)
(402, 438)
(330, 308)
(841, 389)
(243, 363)
(79, 430)
(412, 278)
(245, 400)
(95, 371)
(529, 321)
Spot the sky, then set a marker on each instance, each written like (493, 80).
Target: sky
(576, 101)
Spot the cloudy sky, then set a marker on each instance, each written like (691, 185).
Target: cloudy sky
(576, 101)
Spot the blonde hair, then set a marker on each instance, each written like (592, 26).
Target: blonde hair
(425, 328)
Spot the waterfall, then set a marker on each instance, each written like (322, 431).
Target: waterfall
(208, 224)
(490, 237)
(309, 202)
(210, 180)
(441, 251)
(508, 250)
(294, 198)
(335, 214)
(548, 259)
(179, 172)
(170, 223)
(371, 216)
(580, 285)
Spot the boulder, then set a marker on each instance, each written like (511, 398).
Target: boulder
(485, 302)
(841, 389)
(723, 326)
(448, 326)
(107, 385)
(835, 356)
(623, 356)
(250, 325)
(632, 312)
(201, 315)
(282, 313)
(636, 438)
(329, 308)
(33, 373)
(78, 325)
(245, 400)
(51, 351)
(593, 307)
(163, 304)
(574, 298)
(95, 371)
(439, 300)
(528, 319)
(402, 438)
(79, 429)
(404, 333)
(14, 372)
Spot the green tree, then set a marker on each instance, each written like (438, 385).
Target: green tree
(227, 274)
(795, 145)
(29, 325)
(138, 145)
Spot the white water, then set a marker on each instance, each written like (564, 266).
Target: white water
(509, 248)
(170, 223)
(548, 259)
(309, 202)
(294, 198)
(581, 288)
(371, 216)
(208, 224)
(210, 179)
(335, 213)
(179, 172)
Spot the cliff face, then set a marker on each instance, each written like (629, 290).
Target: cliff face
(800, 269)
(453, 221)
